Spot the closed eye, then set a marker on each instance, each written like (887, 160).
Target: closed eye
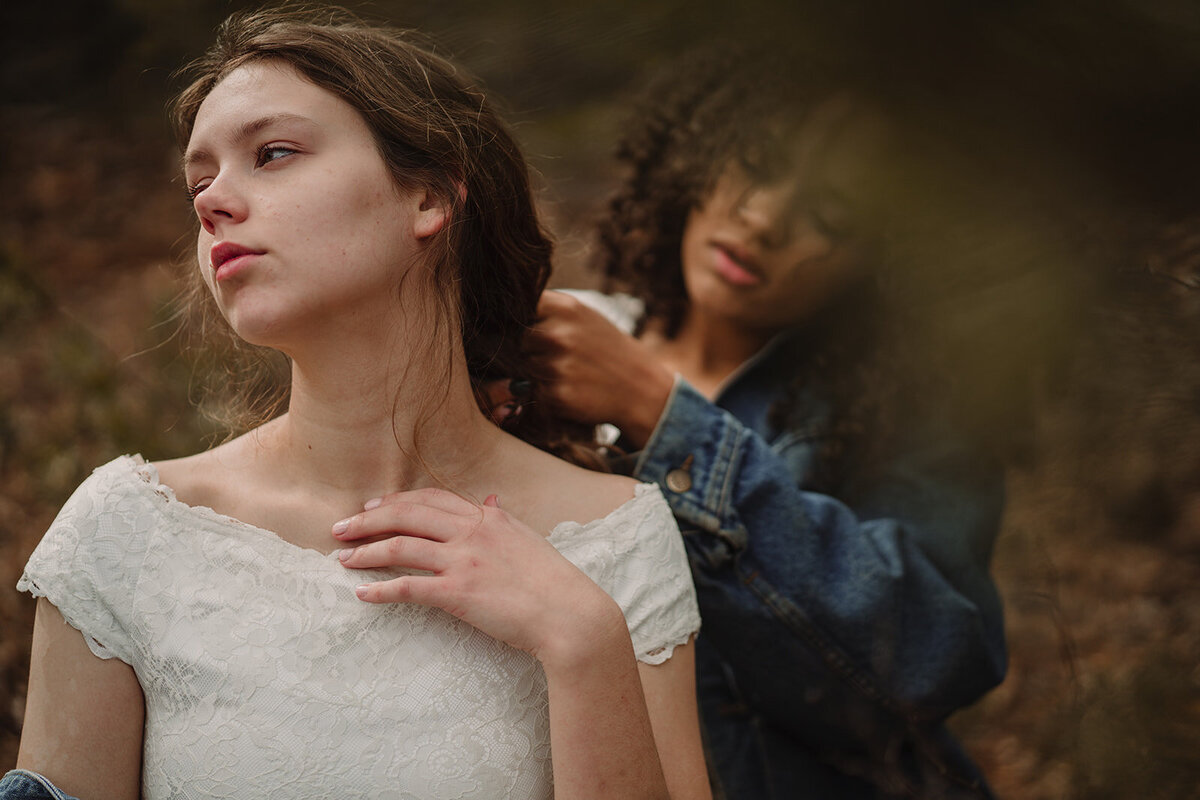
(822, 224)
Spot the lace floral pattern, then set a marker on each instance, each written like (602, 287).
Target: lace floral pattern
(263, 674)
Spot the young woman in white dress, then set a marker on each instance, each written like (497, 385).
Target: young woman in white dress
(379, 592)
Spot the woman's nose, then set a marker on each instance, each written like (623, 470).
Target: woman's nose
(220, 202)
(778, 217)
(765, 212)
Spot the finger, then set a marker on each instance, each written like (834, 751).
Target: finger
(552, 301)
(403, 517)
(492, 500)
(503, 413)
(399, 551)
(498, 392)
(509, 400)
(570, 310)
(380, 537)
(545, 338)
(521, 388)
(437, 498)
(426, 590)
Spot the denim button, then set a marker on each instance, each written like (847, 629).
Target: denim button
(679, 480)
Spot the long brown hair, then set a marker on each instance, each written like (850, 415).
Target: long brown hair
(436, 130)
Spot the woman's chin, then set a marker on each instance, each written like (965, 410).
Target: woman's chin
(256, 331)
(720, 298)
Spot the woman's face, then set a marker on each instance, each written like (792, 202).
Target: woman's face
(766, 251)
(302, 226)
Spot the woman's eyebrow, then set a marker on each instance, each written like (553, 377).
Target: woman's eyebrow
(246, 131)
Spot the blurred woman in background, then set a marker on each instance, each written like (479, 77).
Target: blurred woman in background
(760, 365)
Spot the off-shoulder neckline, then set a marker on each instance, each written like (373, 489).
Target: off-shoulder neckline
(145, 476)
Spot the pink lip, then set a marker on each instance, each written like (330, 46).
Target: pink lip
(736, 266)
(228, 259)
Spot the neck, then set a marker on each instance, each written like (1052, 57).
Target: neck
(375, 414)
(707, 348)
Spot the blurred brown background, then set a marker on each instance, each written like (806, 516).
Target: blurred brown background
(1098, 559)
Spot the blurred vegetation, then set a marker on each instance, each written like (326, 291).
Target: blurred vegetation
(1076, 119)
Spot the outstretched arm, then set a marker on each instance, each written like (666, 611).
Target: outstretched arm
(83, 715)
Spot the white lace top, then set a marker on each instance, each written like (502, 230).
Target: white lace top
(264, 676)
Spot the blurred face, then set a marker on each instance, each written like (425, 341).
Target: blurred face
(301, 223)
(766, 250)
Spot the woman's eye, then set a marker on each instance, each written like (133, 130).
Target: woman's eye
(755, 168)
(829, 225)
(194, 189)
(820, 223)
(272, 152)
(263, 156)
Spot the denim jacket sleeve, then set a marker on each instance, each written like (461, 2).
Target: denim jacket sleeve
(21, 784)
(837, 617)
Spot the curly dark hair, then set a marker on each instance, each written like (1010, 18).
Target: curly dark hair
(732, 106)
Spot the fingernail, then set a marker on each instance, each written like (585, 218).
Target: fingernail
(373, 503)
(345, 553)
(341, 527)
(361, 591)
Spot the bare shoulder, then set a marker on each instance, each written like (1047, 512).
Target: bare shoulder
(593, 495)
(205, 478)
(555, 491)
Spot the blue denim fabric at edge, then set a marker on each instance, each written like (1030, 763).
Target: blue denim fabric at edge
(838, 633)
(20, 784)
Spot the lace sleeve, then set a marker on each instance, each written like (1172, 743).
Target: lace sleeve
(653, 584)
(83, 563)
(636, 554)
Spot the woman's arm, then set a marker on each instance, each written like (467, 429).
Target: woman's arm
(480, 560)
(606, 706)
(583, 718)
(670, 690)
(83, 714)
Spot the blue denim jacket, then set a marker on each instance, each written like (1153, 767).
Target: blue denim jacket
(839, 631)
(21, 784)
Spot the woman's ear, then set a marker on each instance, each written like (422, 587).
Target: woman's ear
(434, 212)
(431, 215)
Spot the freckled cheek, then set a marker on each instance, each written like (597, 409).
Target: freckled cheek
(321, 209)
